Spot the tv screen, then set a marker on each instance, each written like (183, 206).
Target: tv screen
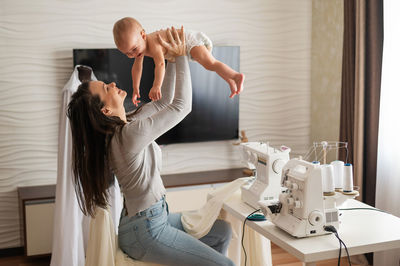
(214, 115)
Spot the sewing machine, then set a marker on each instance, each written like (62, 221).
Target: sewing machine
(303, 209)
(267, 162)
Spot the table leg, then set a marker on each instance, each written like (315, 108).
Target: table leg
(309, 264)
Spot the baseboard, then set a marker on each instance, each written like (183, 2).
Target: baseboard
(9, 252)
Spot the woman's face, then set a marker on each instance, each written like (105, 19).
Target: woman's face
(110, 95)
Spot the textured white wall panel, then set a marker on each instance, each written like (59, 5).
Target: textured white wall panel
(36, 42)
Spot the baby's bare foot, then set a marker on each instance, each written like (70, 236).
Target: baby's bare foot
(232, 86)
(239, 79)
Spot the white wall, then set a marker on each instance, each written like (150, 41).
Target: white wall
(36, 42)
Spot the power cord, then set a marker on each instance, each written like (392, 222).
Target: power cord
(371, 209)
(244, 223)
(332, 229)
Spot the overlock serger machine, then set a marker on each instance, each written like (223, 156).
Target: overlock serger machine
(304, 209)
(267, 162)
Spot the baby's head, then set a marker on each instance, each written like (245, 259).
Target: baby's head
(130, 37)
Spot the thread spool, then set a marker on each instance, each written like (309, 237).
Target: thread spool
(315, 162)
(348, 178)
(328, 181)
(324, 147)
(338, 168)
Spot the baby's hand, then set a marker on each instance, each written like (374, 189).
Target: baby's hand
(135, 97)
(155, 94)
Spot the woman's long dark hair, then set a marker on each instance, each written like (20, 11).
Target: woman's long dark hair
(91, 135)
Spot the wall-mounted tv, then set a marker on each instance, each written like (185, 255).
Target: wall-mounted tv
(214, 115)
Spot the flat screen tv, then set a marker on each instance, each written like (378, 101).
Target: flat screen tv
(214, 115)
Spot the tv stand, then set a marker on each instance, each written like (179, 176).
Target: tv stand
(203, 177)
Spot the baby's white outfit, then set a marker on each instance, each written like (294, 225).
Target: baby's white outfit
(196, 38)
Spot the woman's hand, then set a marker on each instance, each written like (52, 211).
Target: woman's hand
(176, 42)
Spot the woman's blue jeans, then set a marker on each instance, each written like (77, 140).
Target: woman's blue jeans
(154, 235)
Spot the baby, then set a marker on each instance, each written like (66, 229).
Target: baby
(131, 39)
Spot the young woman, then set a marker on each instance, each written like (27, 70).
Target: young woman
(108, 141)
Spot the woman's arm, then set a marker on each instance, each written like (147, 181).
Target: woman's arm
(167, 89)
(140, 133)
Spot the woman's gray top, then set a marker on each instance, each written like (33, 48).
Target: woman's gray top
(135, 158)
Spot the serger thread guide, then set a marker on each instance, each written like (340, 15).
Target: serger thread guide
(268, 163)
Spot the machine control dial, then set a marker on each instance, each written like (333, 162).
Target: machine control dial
(290, 201)
(288, 183)
(277, 165)
(297, 204)
(294, 186)
(315, 218)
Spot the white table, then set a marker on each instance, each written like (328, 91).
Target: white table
(362, 231)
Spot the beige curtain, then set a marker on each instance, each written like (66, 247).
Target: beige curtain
(359, 95)
(361, 83)
(361, 73)
(353, 81)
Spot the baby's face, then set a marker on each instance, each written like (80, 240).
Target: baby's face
(133, 44)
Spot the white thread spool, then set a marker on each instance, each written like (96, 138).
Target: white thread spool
(338, 168)
(348, 178)
(328, 181)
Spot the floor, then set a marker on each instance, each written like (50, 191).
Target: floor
(22, 261)
(282, 258)
(279, 258)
